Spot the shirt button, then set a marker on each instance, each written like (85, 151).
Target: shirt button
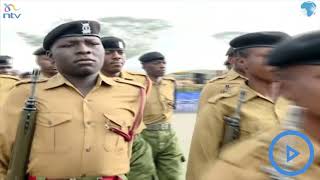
(89, 123)
(88, 149)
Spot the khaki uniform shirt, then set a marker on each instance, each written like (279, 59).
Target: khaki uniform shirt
(42, 76)
(220, 84)
(73, 136)
(142, 79)
(7, 82)
(245, 160)
(160, 102)
(258, 113)
(139, 78)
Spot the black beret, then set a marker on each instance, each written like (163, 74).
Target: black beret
(151, 56)
(39, 52)
(258, 39)
(112, 42)
(5, 60)
(299, 50)
(71, 29)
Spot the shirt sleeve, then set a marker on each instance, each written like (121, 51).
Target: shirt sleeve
(10, 114)
(206, 140)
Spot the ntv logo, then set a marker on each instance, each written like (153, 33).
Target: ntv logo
(10, 12)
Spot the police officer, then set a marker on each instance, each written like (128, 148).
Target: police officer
(298, 63)
(85, 121)
(46, 64)
(6, 65)
(159, 108)
(234, 77)
(141, 163)
(259, 107)
(7, 82)
(115, 59)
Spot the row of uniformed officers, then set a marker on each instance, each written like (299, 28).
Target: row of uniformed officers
(90, 111)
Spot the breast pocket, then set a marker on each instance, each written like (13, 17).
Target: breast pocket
(247, 129)
(115, 141)
(50, 132)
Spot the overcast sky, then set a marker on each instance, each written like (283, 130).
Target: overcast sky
(187, 45)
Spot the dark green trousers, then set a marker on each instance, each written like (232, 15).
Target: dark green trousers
(141, 162)
(167, 155)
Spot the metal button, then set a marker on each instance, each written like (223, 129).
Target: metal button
(88, 149)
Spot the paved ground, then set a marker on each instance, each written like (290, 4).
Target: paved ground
(183, 124)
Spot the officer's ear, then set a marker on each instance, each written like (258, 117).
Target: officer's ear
(49, 54)
(242, 63)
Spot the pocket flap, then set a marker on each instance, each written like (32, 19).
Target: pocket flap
(116, 119)
(51, 119)
(215, 98)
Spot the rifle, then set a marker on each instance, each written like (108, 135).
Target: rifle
(232, 124)
(22, 146)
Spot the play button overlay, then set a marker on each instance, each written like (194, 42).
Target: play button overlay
(291, 152)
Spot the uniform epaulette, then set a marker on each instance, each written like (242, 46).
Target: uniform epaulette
(231, 92)
(136, 73)
(121, 80)
(217, 78)
(134, 76)
(28, 81)
(9, 77)
(169, 78)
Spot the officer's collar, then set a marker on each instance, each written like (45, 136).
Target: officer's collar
(106, 80)
(126, 75)
(59, 80)
(251, 93)
(232, 74)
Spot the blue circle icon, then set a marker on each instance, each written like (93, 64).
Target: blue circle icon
(291, 133)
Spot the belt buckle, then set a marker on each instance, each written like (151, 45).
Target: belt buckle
(73, 178)
(99, 178)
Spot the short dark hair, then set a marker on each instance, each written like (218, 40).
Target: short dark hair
(242, 53)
